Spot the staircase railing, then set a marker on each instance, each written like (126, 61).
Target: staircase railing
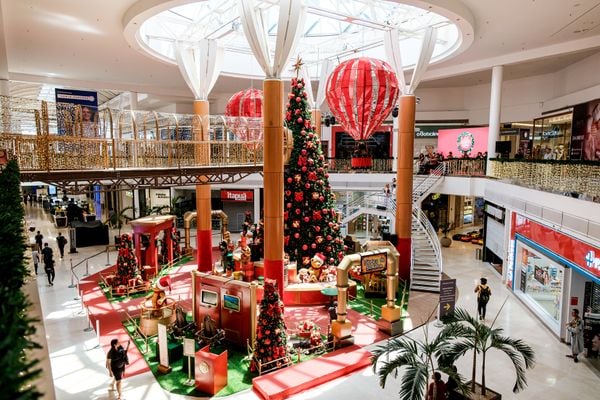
(433, 237)
(424, 186)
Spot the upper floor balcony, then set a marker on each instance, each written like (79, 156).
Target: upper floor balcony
(121, 144)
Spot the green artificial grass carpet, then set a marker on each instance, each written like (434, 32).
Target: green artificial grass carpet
(372, 306)
(238, 376)
(117, 299)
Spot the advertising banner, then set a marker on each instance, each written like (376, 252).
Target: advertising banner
(373, 263)
(463, 140)
(70, 121)
(585, 138)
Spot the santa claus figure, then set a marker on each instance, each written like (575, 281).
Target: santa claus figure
(158, 296)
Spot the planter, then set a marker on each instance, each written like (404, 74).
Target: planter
(489, 394)
(445, 241)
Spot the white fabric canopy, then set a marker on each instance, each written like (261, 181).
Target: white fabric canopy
(289, 27)
(200, 65)
(427, 47)
(325, 70)
(391, 44)
(321, 90)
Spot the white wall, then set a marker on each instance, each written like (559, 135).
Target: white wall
(522, 99)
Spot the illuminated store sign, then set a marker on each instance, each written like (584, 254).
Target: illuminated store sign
(237, 195)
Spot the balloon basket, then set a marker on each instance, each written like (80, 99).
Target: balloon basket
(361, 162)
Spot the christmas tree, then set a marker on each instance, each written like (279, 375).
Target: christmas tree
(271, 339)
(126, 261)
(311, 223)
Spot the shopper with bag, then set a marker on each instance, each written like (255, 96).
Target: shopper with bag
(116, 360)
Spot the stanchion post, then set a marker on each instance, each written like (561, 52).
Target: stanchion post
(72, 285)
(87, 268)
(77, 290)
(89, 327)
(107, 255)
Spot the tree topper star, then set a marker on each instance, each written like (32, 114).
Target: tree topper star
(298, 65)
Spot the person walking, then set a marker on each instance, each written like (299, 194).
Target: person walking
(61, 241)
(483, 296)
(35, 257)
(575, 328)
(437, 388)
(38, 240)
(47, 255)
(116, 359)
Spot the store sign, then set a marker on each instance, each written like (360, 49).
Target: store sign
(583, 255)
(373, 263)
(496, 212)
(237, 195)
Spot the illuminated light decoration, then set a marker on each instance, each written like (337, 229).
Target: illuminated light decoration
(361, 93)
(465, 142)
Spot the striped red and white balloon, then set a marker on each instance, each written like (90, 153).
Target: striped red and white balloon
(243, 114)
(361, 93)
(245, 103)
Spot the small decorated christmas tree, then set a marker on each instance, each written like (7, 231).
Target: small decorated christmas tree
(271, 339)
(127, 267)
(311, 223)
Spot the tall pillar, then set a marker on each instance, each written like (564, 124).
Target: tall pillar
(273, 180)
(203, 198)
(133, 101)
(495, 106)
(316, 121)
(404, 183)
(395, 143)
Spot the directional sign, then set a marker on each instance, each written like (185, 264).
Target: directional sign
(447, 297)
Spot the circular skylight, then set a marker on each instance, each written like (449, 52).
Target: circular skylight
(333, 29)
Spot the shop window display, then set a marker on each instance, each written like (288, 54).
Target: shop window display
(552, 137)
(541, 281)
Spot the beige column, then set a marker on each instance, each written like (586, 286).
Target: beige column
(203, 198)
(316, 121)
(404, 183)
(273, 180)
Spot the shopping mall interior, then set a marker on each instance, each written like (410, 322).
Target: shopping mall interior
(396, 151)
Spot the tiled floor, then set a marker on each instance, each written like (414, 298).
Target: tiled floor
(78, 370)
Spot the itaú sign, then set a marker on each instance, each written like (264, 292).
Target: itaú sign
(237, 195)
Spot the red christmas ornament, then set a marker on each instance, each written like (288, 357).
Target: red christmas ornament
(321, 198)
(288, 205)
(361, 93)
(313, 246)
(289, 180)
(329, 236)
(306, 219)
(329, 248)
(297, 211)
(296, 235)
(297, 112)
(299, 120)
(303, 151)
(304, 247)
(304, 169)
(288, 192)
(298, 100)
(317, 227)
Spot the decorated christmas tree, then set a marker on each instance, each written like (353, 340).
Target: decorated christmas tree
(126, 261)
(311, 223)
(271, 339)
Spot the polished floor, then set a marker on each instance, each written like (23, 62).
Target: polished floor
(74, 365)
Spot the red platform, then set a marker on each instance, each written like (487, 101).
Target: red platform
(283, 383)
(306, 294)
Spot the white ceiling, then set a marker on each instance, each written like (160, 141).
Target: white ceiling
(82, 44)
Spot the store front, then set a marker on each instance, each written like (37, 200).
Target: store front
(235, 203)
(550, 272)
(552, 137)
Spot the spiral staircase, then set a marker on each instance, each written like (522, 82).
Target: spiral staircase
(426, 268)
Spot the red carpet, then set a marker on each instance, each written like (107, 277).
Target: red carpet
(110, 315)
(283, 383)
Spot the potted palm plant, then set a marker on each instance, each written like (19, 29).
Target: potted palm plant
(467, 333)
(445, 240)
(416, 361)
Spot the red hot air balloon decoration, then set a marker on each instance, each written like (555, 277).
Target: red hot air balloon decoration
(244, 114)
(361, 93)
